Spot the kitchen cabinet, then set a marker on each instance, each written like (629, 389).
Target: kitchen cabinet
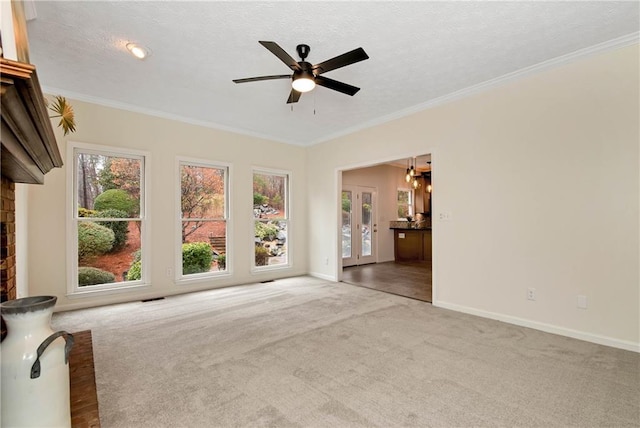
(412, 245)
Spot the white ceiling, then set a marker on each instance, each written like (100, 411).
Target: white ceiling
(419, 51)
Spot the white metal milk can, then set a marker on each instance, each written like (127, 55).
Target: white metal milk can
(35, 369)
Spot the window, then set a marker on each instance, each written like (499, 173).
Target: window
(404, 203)
(271, 219)
(203, 219)
(108, 218)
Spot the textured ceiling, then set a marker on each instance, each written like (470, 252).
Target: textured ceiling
(419, 51)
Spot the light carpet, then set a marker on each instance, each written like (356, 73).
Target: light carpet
(303, 352)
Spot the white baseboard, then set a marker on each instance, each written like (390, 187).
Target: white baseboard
(323, 276)
(548, 328)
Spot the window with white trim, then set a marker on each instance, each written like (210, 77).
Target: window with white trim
(271, 219)
(404, 203)
(108, 218)
(203, 218)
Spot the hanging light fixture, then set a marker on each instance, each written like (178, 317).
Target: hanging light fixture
(409, 174)
(414, 174)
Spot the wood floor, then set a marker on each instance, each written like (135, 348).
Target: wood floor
(405, 279)
(84, 400)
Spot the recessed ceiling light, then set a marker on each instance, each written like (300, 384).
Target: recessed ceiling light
(139, 51)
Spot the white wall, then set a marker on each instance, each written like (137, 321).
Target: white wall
(165, 140)
(541, 177)
(386, 179)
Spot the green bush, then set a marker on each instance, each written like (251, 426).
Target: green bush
(259, 199)
(266, 231)
(346, 204)
(83, 212)
(196, 257)
(94, 276)
(93, 240)
(262, 255)
(120, 228)
(135, 271)
(222, 262)
(116, 199)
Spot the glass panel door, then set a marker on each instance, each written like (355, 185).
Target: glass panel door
(347, 203)
(367, 223)
(359, 225)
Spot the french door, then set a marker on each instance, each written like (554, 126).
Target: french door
(359, 225)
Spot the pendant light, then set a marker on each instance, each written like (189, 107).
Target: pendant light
(409, 172)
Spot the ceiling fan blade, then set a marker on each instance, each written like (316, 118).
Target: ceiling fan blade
(256, 79)
(343, 60)
(336, 86)
(275, 49)
(294, 96)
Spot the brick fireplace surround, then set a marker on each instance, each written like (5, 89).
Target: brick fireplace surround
(8, 240)
(7, 243)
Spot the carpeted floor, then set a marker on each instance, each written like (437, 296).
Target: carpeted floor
(304, 352)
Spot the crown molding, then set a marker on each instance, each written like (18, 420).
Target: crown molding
(610, 45)
(104, 102)
(607, 46)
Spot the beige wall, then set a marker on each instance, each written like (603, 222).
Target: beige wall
(165, 140)
(541, 178)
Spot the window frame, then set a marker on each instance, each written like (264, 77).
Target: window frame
(73, 289)
(410, 197)
(288, 219)
(179, 278)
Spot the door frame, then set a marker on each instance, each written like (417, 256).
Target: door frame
(435, 227)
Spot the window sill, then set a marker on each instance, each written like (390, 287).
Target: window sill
(106, 291)
(200, 278)
(258, 270)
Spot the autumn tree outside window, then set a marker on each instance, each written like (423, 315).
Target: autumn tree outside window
(203, 218)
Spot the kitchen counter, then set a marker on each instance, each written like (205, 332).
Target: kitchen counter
(409, 225)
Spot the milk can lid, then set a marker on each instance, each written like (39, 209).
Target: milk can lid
(28, 304)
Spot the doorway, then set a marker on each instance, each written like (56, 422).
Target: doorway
(386, 272)
(359, 225)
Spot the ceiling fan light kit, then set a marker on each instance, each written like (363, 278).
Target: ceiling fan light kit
(303, 81)
(305, 76)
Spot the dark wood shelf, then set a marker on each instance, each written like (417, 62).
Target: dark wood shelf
(29, 148)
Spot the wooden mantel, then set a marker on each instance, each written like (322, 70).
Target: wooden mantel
(29, 148)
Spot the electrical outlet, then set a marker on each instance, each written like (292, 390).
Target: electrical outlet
(326, 261)
(531, 294)
(582, 301)
(169, 272)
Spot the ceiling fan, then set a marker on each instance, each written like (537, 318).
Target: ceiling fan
(306, 76)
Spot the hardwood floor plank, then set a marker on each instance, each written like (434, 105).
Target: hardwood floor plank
(407, 279)
(84, 399)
